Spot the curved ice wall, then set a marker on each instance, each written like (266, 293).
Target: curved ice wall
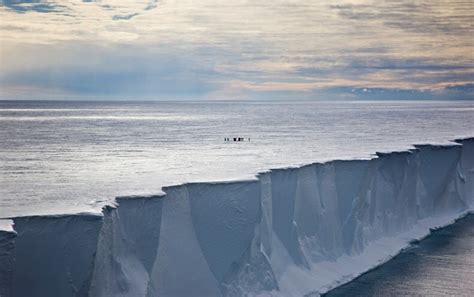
(290, 232)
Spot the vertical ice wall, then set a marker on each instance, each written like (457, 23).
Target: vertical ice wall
(126, 249)
(466, 171)
(179, 248)
(7, 244)
(54, 255)
(287, 233)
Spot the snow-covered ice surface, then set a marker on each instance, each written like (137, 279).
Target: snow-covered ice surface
(6, 225)
(58, 157)
(286, 232)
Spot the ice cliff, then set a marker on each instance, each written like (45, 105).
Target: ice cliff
(289, 232)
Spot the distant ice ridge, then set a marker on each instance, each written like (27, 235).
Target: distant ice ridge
(289, 232)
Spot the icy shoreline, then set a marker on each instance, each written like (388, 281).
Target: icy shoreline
(289, 232)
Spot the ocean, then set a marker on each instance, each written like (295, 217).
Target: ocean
(61, 157)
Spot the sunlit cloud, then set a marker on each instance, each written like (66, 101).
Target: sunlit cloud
(213, 49)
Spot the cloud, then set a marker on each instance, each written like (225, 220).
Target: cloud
(466, 91)
(125, 16)
(152, 5)
(238, 48)
(20, 6)
(94, 71)
(421, 17)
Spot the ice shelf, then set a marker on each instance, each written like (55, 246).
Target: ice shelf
(289, 232)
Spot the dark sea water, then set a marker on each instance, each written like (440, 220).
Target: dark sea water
(440, 265)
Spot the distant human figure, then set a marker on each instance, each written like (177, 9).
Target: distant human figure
(236, 139)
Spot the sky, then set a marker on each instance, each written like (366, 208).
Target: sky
(236, 50)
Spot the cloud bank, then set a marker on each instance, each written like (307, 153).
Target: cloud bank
(211, 49)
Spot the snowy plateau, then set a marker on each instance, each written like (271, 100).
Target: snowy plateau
(288, 232)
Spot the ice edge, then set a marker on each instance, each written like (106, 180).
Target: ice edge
(260, 237)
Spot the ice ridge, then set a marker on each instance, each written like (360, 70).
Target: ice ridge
(289, 232)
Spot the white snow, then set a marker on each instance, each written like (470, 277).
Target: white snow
(289, 232)
(6, 225)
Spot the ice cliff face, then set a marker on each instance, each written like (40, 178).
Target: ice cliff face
(7, 244)
(290, 232)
